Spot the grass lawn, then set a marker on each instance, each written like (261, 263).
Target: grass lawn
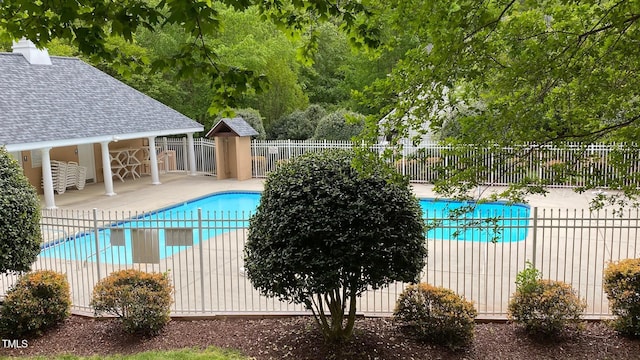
(211, 353)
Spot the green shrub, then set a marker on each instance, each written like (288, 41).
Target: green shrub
(299, 125)
(294, 126)
(339, 125)
(622, 285)
(544, 307)
(20, 236)
(37, 301)
(328, 229)
(141, 300)
(436, 314)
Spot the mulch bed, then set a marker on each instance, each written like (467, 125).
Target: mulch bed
(298, 338)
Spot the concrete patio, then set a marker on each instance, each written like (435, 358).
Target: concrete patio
(140, 195)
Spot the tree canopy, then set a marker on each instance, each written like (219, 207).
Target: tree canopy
(491, 73)
(325, 232)
(91, 25)
(508, 72)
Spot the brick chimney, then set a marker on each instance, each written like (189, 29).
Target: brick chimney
(30, 52)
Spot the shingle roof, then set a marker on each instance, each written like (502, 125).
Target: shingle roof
(236, 125)
(71, 99)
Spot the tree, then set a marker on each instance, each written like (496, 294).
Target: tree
(339, 125)
(524, 71)
(250, 42)
(20, 235)
(322, 79)
(88, 25)
(325, 232)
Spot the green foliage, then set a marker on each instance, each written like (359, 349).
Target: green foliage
(248, 41)
(315, 113)
(339, 125)
(299, 125)
(510, 72)
(323, 79)
(20, 235)
(527, 279)
(204, 58)
(295, 126)
(436, 314)
(544, 307)
(141, 300)
(38, 301)
(622, 285)
(325, 232)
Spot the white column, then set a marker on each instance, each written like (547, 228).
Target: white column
(191, 154)
(106, 169)
(47, 179)
(153, 160)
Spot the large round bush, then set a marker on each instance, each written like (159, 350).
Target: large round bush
(544, 307)
(436, 314)
(294, 126)
(339, 125)
(38, 301)
(142, 301)
(622, 285)
(326, 231)
(20, 236)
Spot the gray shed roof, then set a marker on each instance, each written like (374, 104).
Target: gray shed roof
(237, 126)
(72, 100)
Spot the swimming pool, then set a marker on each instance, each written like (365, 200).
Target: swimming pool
(466, 221)
(169, 231)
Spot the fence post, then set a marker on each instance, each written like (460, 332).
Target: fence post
(201, 248)
(184, 157)
(404, 160)
(535, 234)
(95, 229)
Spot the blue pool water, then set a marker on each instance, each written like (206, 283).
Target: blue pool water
(225, 212)
(497, 221)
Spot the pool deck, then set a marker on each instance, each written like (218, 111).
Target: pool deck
(141, 195)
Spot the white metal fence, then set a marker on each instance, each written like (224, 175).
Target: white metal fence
(569, 165)
(203, 255)
(205, 155)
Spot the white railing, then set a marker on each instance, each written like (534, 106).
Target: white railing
(205, 261)
(570, 165)
(204, 152)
